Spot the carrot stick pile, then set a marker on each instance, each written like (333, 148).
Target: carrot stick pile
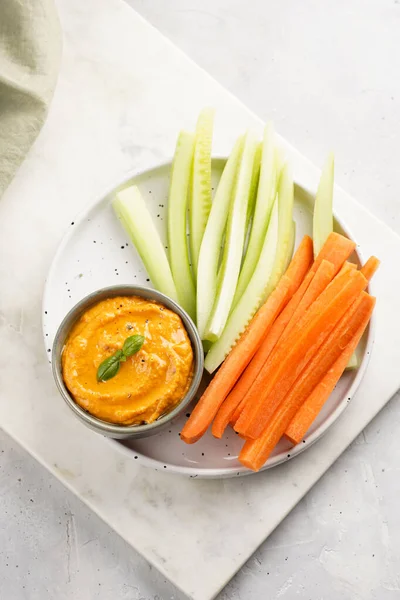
(286, 364)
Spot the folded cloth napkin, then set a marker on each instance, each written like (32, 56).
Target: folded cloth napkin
(30, 50)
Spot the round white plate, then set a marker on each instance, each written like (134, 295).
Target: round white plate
(96, 253)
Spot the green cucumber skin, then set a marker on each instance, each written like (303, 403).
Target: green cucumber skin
(176, 222)
(285, 227)
(262, 210)
(255, 294)
(254, 185)
(323, 222)
(131, 210)
(207, 274)
(201, 194)
(289, 255)
(234, 242)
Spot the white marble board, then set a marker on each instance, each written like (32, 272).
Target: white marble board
(118, 106)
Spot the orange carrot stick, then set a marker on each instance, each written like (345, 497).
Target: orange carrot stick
(329, 362)
(370, 267)
(243, 385)
(233, 366)
(336, 250)
(277, 334)
(254, 394)
(318, 282)
(300, 264)
(292, 356)
(240, 356)
(309, 410)
(347, 266)
(322, 277)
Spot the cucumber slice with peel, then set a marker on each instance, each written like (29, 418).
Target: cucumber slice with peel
(132, 211)
(207, 270)
(201, 197)
(254, 185)
(252, 298)
(290, 247)
(323, 211)
(234, 242)
(176, 222)
(285, 226)
(265, 199)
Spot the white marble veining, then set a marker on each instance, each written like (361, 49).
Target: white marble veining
(97, 127)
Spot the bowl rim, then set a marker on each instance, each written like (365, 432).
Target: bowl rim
(63, 330)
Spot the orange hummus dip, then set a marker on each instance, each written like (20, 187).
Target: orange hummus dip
(150, 383)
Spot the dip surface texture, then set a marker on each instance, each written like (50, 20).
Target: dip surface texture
(150, 383)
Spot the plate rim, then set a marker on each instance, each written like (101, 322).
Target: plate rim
(222, 472)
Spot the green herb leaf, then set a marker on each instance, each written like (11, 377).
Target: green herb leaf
(132, 345)
(109, 367)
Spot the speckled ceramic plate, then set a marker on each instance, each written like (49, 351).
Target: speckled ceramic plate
(95, 253)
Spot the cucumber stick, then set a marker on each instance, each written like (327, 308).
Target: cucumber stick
(207, 270)
(177, 212)
(234, 242)
(131, 210)
(262, 212)
(200, 201)
(254, 185)
(323, 211)
(289, 255)
(285, 226)
(252, 298)
(323, 220)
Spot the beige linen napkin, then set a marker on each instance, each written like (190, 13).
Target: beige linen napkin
(30, 50)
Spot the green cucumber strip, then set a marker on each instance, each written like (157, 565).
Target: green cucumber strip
(201, 196)
(323, 212)
(285, 226)
(252, 298)
(262, 212)
(131, 210)
(280, 161)
(290, 247)
(323, 221)
(234, 242)
(254, 185)
(176, 222)
(207, 270)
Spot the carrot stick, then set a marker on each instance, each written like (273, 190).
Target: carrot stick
(316, 282)
(370, 267)
(322, 277)
(300, 264)
(336, 250)
(278, 333)
(330, 361)
(238, 411)
(292, 356)
(233, 366)
(368, 270)
(255, 390)
(347, 266)
(309, 410)
(239, 357)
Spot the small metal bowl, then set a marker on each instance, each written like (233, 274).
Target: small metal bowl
(110, 429)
